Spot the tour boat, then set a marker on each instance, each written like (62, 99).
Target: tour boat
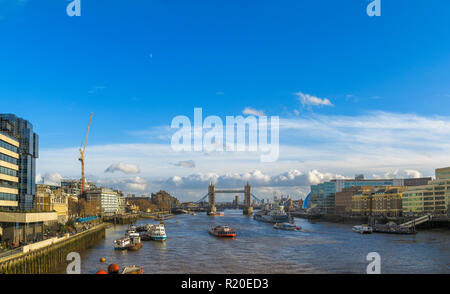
(362, 229)
(122, 243)
(222, 231)
(286, 226)
(133, 270)
(158, 233)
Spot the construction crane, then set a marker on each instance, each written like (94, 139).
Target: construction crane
(83, 180)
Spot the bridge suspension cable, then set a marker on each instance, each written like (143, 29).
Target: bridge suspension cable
(201, 199)
(257, 199)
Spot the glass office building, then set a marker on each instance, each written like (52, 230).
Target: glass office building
(8, 173)
(28, 150)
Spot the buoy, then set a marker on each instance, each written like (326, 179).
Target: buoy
(113, 268)
(102, 272)
(102, 259)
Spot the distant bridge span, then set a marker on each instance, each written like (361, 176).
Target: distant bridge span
(212, 197)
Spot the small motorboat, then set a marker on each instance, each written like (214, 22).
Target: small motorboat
(223, 231)
(362, 229)
(286, 226)
(133, 270)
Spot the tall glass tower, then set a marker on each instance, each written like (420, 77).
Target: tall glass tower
(28, 151)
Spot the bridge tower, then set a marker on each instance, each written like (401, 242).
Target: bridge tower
(212, 198)
(248, 209)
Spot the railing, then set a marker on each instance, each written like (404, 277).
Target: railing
(19, 250)
(417, 221)
(11, 252)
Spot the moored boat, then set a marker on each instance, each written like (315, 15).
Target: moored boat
(286, 226)
(222, 231)
(362, 229)
(135, 243)
(122, 243)
(273, 213)
(158, 233)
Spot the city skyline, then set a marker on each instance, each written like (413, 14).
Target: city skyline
(370, 95)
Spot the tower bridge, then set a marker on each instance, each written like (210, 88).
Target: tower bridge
(248, 209)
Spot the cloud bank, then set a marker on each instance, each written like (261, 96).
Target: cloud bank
(126, 168)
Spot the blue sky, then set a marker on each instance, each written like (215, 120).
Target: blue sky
(137, 64)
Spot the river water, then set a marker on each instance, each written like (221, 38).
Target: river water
(259, 248)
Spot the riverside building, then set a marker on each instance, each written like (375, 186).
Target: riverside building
(375, 201)
(52, 199)
(17, 184)
(109, 200)
(323, 196)
(22, 131)
(9, 181)
(432, 198)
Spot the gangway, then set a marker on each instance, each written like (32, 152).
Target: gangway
(416, 221)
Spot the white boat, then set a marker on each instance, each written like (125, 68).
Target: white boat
(131, 232)
(133, 269)
(362, 229)
(122, 243)
(158, 232)
(131, 229)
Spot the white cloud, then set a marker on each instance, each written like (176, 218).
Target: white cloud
(252, 111)
(128, 185)
(136, 184)
(376, 143)
(126, 168)
(309, 100)
(185, 163)
(410, 173)
(256, 178)
(49, 179)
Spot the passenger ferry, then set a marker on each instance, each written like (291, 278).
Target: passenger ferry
(122, 243)
(286, 226)
(362, 229)
(222, 231)
(158, 233)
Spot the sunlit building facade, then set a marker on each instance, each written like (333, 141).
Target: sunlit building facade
(433, 198)
(9, 180)
(22, 131)
(385, 201)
